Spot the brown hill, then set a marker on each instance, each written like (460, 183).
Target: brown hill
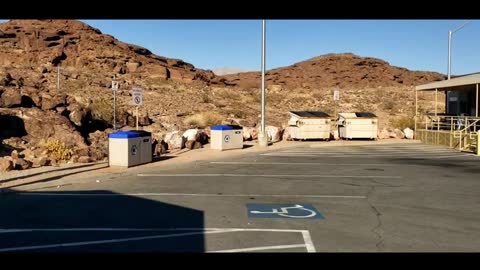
(70, 43)
(337, 70)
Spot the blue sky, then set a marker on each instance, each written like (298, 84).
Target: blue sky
(211, 44)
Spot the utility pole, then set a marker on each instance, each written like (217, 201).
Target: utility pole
(114, 90)
(58, 77)
(450, 33)
(262, 137)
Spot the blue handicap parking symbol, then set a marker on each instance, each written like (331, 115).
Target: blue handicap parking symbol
(297, 210)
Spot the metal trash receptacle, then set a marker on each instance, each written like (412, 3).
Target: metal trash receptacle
(224, 137)
(357, 125)
(145, 146)
(309, 125)
(129, 148)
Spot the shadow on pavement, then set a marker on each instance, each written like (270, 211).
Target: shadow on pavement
(96, 221)
(50, 171)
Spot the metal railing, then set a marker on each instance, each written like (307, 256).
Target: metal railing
(459, 132)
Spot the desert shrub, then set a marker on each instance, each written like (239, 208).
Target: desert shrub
(404, 122)
(257, 98)
(228, 94)
(102, 109)
(203, 119)
(206, 97)
(237, 113)
(388, 104)
(57, 149)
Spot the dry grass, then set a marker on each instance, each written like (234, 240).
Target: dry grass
(203, 119)
(102, 109)
(238, 113)
(228, 94)
(404, 122)
(388, 105)
(206, 97)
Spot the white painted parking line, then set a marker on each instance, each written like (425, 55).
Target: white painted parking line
(412, 145)
(151, 229)
(109, 241)
(380, 151)
(306, 163)
(308, 241)
(258, 248)
(458, 155)
(198, 231)
(368, 153)
(266, 175)
(353, 156)
(191, 194)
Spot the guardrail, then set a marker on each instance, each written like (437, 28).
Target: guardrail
(459, 132)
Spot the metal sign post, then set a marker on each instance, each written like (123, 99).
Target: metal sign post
(58, 78)
(262, 137)
(137, 100)
(114, 90)
(336, 98)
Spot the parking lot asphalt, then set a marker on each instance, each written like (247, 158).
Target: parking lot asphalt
(350, 198)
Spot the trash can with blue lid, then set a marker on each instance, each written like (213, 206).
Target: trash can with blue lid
(129, 148)
(225, 137)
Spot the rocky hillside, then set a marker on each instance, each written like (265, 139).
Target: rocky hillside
(337, 71)
(56, 105)
(73, 44)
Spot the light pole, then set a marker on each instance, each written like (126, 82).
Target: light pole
(262, 137)
(450, 32)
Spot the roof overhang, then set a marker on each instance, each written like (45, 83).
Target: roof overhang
(464, 83)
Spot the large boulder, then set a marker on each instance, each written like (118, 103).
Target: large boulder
(144, 120)
(287, 133)
(27, 154)
(202, 137)
(175, 140)
(398, 134)
(408, 133)
(22, 164)
(96, 153)
(197, 135)
(132, 66)
(384, 134)
(40, 161)
(5, 78)
(208, 131)
(84, 159)
(253, 132)
(388, 133)
(157, 130)
(50, 102)
(193, 145)
(77, 117)
(160, 148)
(246, 134)
(32, 94)
(191, 134)
(98, 148)
(39, 124)
(5, 165)
(11, 97)
(274, 134)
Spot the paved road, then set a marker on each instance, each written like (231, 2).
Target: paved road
(379, 197)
